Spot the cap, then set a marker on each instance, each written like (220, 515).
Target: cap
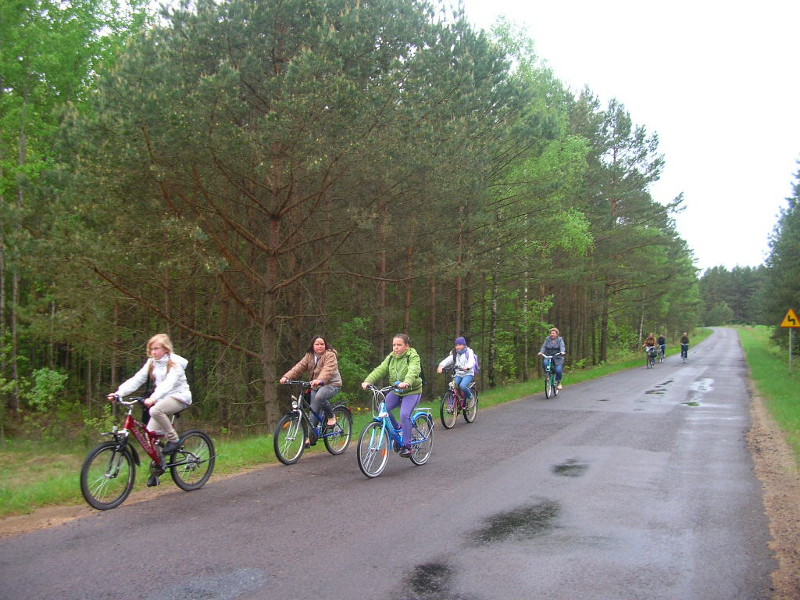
(460, 341)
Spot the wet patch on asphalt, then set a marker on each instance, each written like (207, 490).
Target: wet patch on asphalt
(660, 389)
(519, 523)
(570, 468)
(230, 586)
(432, 581)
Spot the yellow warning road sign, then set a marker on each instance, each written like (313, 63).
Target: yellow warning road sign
(790, 320)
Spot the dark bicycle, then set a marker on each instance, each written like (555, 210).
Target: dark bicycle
(295, 427)
(651, 353)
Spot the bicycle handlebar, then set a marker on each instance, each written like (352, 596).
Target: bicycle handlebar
(300, 382)
(130, 401)
(373, 388)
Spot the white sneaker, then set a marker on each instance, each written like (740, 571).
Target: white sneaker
(558, 386)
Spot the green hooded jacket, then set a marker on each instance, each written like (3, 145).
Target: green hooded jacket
(405, 367)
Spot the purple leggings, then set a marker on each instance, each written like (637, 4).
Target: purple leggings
(407, 405)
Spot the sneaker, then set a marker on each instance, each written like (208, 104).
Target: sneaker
(171, 447)
(153, 480)
(406, 452)
(558, 387)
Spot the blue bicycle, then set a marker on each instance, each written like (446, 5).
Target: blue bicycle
(379, 435)
(294, 429)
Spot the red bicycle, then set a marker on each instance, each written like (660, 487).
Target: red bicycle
(109, 472)
(454, 402)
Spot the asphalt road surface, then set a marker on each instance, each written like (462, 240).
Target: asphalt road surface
(634, 486)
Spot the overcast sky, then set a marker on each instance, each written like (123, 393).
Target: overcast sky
(717, 81)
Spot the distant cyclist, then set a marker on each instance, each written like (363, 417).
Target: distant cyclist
(650, 345)
(462, 358)
(555, 348)
(662, 345)
(685, 345)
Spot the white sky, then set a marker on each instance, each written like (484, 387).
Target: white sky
(718, 81)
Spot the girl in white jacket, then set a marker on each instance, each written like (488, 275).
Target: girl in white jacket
(462, 358)
(171, 393)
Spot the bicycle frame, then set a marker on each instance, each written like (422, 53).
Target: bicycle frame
(387, 428)
(146, 438)
(549, 364)
(301, 405)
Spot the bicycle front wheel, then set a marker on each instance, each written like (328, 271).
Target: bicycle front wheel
(192, 464)
(547, 386)
(422, 430)
(107, 476)
(472, 408)
(449, 410)
(338, 438)
(373, 449)
(289, 439)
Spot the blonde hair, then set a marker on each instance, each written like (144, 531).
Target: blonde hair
(552, 329)
(160, 338)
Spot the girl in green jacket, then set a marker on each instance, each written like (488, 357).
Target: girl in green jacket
(402, 367)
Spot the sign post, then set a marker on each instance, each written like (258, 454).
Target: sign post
(791, 321)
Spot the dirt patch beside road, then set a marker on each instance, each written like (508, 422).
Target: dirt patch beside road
(780, 478)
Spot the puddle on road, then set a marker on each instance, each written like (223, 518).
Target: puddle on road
(520, 523)
(660, 389)
(570, 468)
(429, 581)
(230, 586)
(697, 391)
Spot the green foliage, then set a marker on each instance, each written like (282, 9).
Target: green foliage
(739, 291)
(241, 174)
(44, 392)
(355, 352)
(719, 314)
(93, 426)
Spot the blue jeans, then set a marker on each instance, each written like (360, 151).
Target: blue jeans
(559, 370)
(463, 382)
(407, 405)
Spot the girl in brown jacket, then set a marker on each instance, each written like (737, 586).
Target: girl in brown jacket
(322, 363)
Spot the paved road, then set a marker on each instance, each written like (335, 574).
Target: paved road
(635, 486)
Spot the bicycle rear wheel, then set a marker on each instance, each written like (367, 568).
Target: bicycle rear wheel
(373, 449)
(472, 407)
(193, 462)
(422, 430)
(338, 438)
(554, 386)
(449, 409)
(289, 438)
(107, 476)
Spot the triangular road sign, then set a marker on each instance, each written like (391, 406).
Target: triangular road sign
(790, 320)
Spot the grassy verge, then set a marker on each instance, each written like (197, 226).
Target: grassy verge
(769, 370)
(37, 474)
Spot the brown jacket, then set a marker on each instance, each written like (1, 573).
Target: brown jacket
(326, 368)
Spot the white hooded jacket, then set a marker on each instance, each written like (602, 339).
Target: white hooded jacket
(170, 379)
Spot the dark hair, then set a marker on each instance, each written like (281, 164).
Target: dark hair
(404, 337)
(314, 339)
